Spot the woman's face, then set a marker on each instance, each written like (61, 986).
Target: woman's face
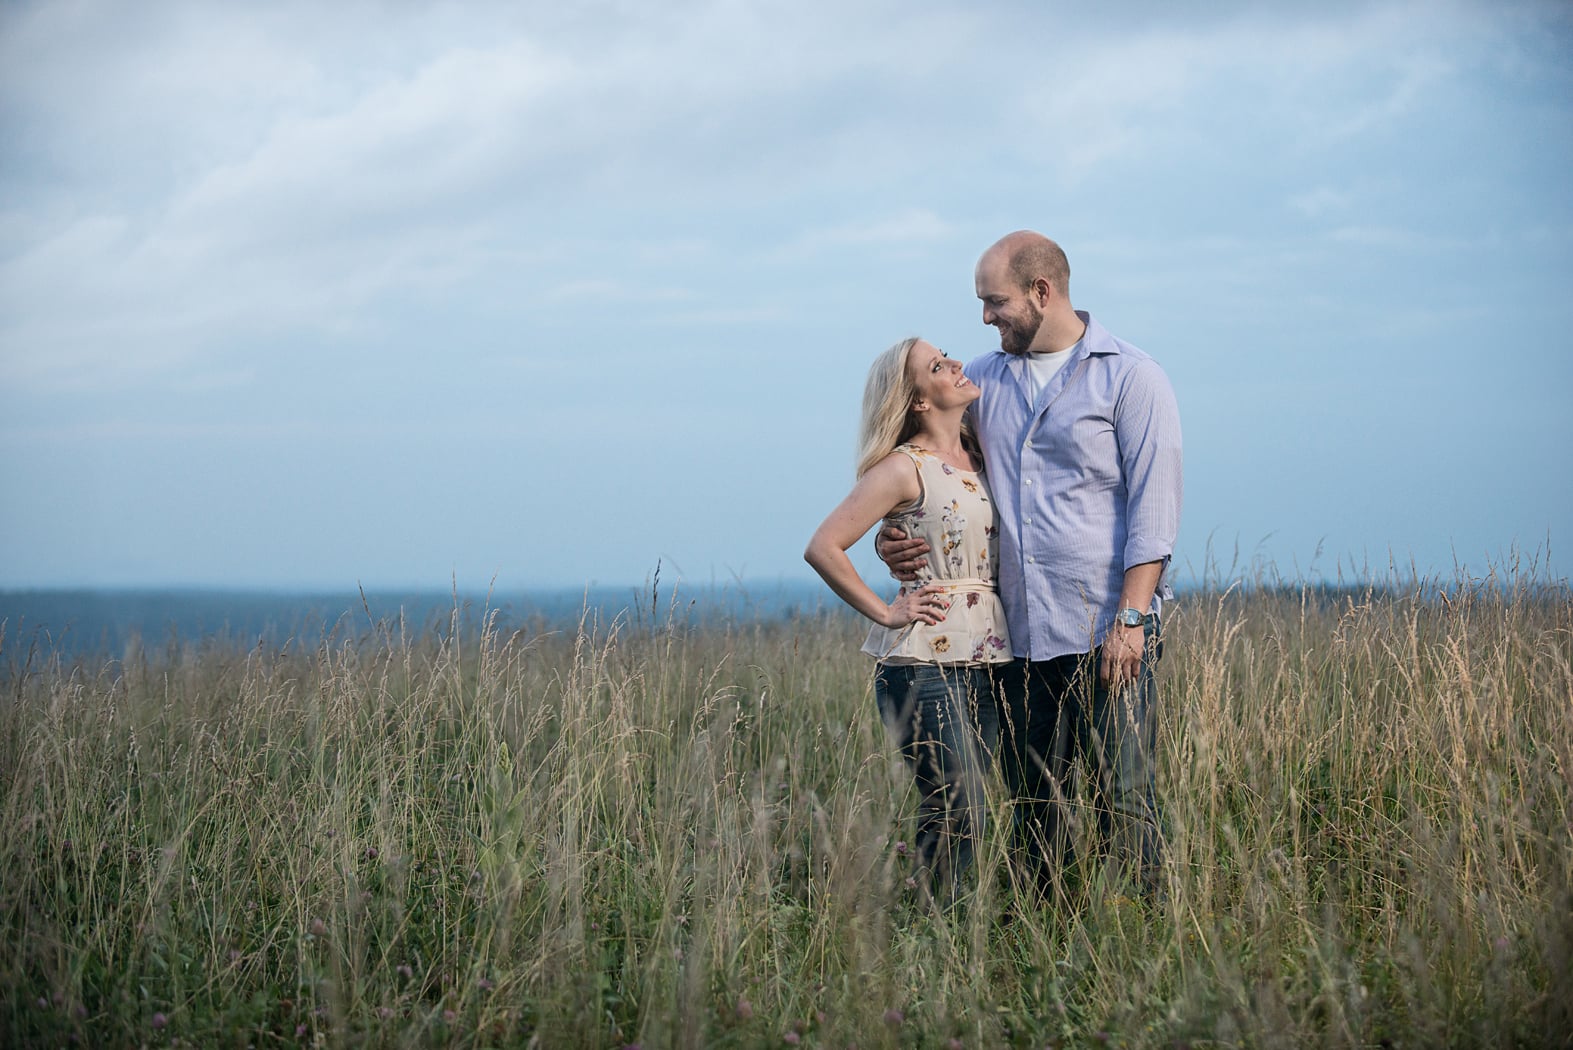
(938, 381)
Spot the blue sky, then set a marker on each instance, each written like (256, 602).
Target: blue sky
(303, 295)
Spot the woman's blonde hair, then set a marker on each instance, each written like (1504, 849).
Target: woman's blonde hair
(887, 408)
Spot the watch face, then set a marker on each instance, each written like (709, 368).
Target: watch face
(1131, 618)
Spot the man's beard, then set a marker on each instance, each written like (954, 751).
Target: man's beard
(1014, 339)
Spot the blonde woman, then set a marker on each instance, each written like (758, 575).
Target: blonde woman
(920, 470)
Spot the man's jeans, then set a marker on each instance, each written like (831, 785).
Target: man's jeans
(1054, 711)
(943, 721)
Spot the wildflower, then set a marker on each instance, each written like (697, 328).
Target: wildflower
(449, 1016)
(159, 1020)
(894, 1016)
(405, 971)
(318, 927)
(901, 847)
(384, 1012)
(300, 1030)
(745, 1009)
(485, 985)
(371, 852)
(792, 1038)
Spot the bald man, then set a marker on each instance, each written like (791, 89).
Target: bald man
(1081, 443)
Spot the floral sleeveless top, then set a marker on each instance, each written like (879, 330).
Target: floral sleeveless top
(956, 516)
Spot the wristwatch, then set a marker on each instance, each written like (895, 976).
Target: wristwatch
(1130, 617)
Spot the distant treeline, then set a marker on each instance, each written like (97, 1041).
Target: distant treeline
(77, 624)
(86, 623)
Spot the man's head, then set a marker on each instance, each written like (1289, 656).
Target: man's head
(1023, 281)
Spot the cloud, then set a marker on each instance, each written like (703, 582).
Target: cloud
(609, 291)
(432, 241)
(1396, 237)
(1293, 79)
(915, 226)
(723, 317)
(284, 170)
(287, 188)
(404, 144)
(1408, 82)
(299, 209)
(1318, 202)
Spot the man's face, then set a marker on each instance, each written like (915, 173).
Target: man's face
(1006, 305)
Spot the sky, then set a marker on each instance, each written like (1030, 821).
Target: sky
(542, 295)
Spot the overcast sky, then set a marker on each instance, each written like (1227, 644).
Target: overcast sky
(305, 295)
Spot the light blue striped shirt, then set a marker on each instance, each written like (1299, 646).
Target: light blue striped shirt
(1086, 482)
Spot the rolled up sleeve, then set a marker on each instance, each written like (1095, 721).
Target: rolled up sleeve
(1148, 428)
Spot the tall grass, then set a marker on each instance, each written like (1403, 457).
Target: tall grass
(641, 833)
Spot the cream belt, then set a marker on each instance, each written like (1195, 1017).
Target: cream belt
(958, 586)
(964, 585)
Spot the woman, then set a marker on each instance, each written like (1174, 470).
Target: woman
(919, 467)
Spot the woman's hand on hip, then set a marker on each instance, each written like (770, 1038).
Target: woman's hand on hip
(928, 604)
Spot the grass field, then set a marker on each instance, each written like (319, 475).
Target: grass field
(636, 833)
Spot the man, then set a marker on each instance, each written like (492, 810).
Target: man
(1081, 442)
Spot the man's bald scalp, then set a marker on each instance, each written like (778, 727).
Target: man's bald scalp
(1032, 256)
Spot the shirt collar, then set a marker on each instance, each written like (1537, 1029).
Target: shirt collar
(1096, 340)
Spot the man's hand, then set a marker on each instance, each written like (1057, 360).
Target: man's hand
(1122, 655)
(903, 555)
(1124, 647)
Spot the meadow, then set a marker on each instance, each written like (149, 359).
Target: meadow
(641, 832)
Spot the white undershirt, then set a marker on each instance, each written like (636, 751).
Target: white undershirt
(1042, 367)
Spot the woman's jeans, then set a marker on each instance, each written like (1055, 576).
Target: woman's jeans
(943, 720)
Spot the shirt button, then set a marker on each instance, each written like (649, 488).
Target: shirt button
(1026, 521)
(1029, 481)
(1031, 560)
